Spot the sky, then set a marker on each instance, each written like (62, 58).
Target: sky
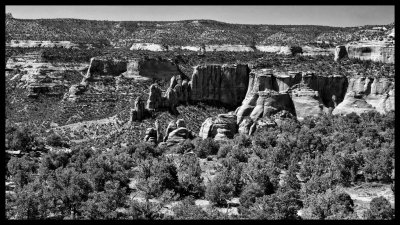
(342, 16)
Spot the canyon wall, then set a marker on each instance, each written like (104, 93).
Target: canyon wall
(41, 77)
(377, 51)
(367, 94)
(107, 78)
(284, 50)
(381, 52)
(225, 84)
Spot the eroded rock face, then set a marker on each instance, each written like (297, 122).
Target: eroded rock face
(151, 135)
(107, 78)
(367, 94)
(176, 133)
(38, 76)
(179, 135)
(155, 98)
(219, 83)
(245, 125)
(307, 102)
(154, 135)
(340, 53)
(138, 111)
(378, 51)
(152, 69)
(221, 127)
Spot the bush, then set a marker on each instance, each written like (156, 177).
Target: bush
(242, 140)
(278, 206)
(56, 140)
(223, 151)
(189, 176)
(380, 209)
(21, 139)
(250, 193)
(144, 150)
(333, 204)
(238, 153)
(185, 147)
(206, 147)
(219, 190)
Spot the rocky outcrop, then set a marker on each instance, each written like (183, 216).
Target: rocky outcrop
(225, 84)
(177, 92)
(138, 112)
(221, 127)
(367, 94)
(300, 93)
(340, 53)
(41, 44)
(245, 125)
(176, 133)
(378, 51)
(151, 135)
(268, 103)
(154, 135)
(148, 69)
(155, 100)
(307, 102)
(171, 126)
(39, 76)
(110, 77)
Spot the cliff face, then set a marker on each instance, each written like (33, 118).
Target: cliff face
(376, 51)
(299, 93)
(41, 77)
(108, 78)
(225, 84)
(367, 94)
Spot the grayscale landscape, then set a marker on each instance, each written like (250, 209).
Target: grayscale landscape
(198, 119)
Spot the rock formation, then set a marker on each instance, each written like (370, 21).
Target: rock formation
(138, 111)
(245, 125)
(177, 92)
(109, 77)
(366, 94)
(225, 84)
(221, 127)
(39, 76)
(307, 102)
(340, 53)
(379, 51)
(155, 100)
(171, 126)
(176, 133)
(154, 135)
(151, 135)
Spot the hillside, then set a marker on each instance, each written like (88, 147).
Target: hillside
(185, 32)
